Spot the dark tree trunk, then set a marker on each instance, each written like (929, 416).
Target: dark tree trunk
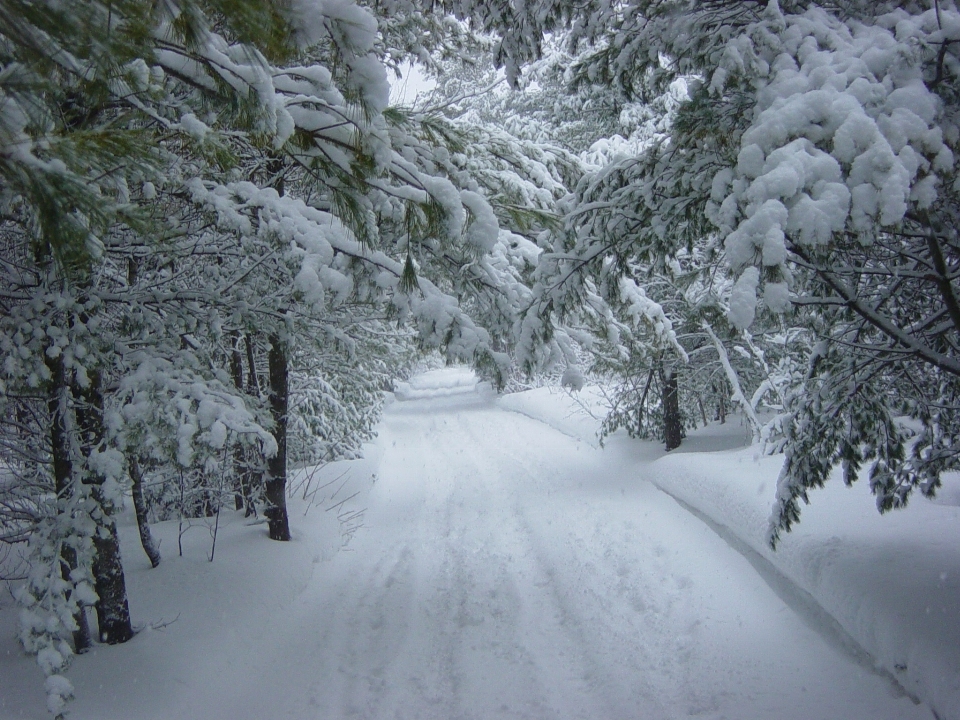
(62, 471)
(113, 610)
(275, 488)
(672, 424)
(276, 168)
(276, 485)
(239, 465)
(643, 402)
(248, 480)
(22, 418)
(140, 508)
(133, 270)
(253, 382)
(247, 469)
(236, 361)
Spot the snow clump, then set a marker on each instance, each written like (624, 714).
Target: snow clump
(844, 138)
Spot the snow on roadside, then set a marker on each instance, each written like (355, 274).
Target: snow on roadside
(576, 414)
(200, 621)
(891, 582)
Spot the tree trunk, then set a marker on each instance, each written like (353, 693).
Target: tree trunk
(672, 425)
(62, 471)
(643, 402)
(236, 361)
(248, 473)
(22, 418)
(275, 489)
(253, 381)
(241, 491)
(248, 480)
(133, 270)
(276, 485)
(140, 508)
(113, 610)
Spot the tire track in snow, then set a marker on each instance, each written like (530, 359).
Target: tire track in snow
(377, 628)
(496, 674)
(595, 624)
(501, 574)
(517, 595)
(471, 634)
(412, 517)
(668, 624)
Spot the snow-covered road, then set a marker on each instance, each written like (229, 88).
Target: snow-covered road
(504, 570)
(508, 571)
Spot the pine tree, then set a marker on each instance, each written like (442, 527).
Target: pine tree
(278, 199)
(814, 156)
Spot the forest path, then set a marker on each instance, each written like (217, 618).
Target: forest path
(506, 570)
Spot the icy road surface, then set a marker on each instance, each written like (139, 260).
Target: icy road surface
(504, 570)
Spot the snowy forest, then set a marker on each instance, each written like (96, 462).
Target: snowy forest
(525, 339)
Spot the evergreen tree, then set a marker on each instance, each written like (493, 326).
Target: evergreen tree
(175, 178)
(815, 158)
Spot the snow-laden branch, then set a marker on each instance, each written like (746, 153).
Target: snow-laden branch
(734, 379)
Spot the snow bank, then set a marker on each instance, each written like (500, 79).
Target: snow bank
(577, 414)
(495, 548)
(204, 623)
(892, 582)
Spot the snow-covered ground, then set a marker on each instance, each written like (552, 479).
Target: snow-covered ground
(891, 582)
(487, 564)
